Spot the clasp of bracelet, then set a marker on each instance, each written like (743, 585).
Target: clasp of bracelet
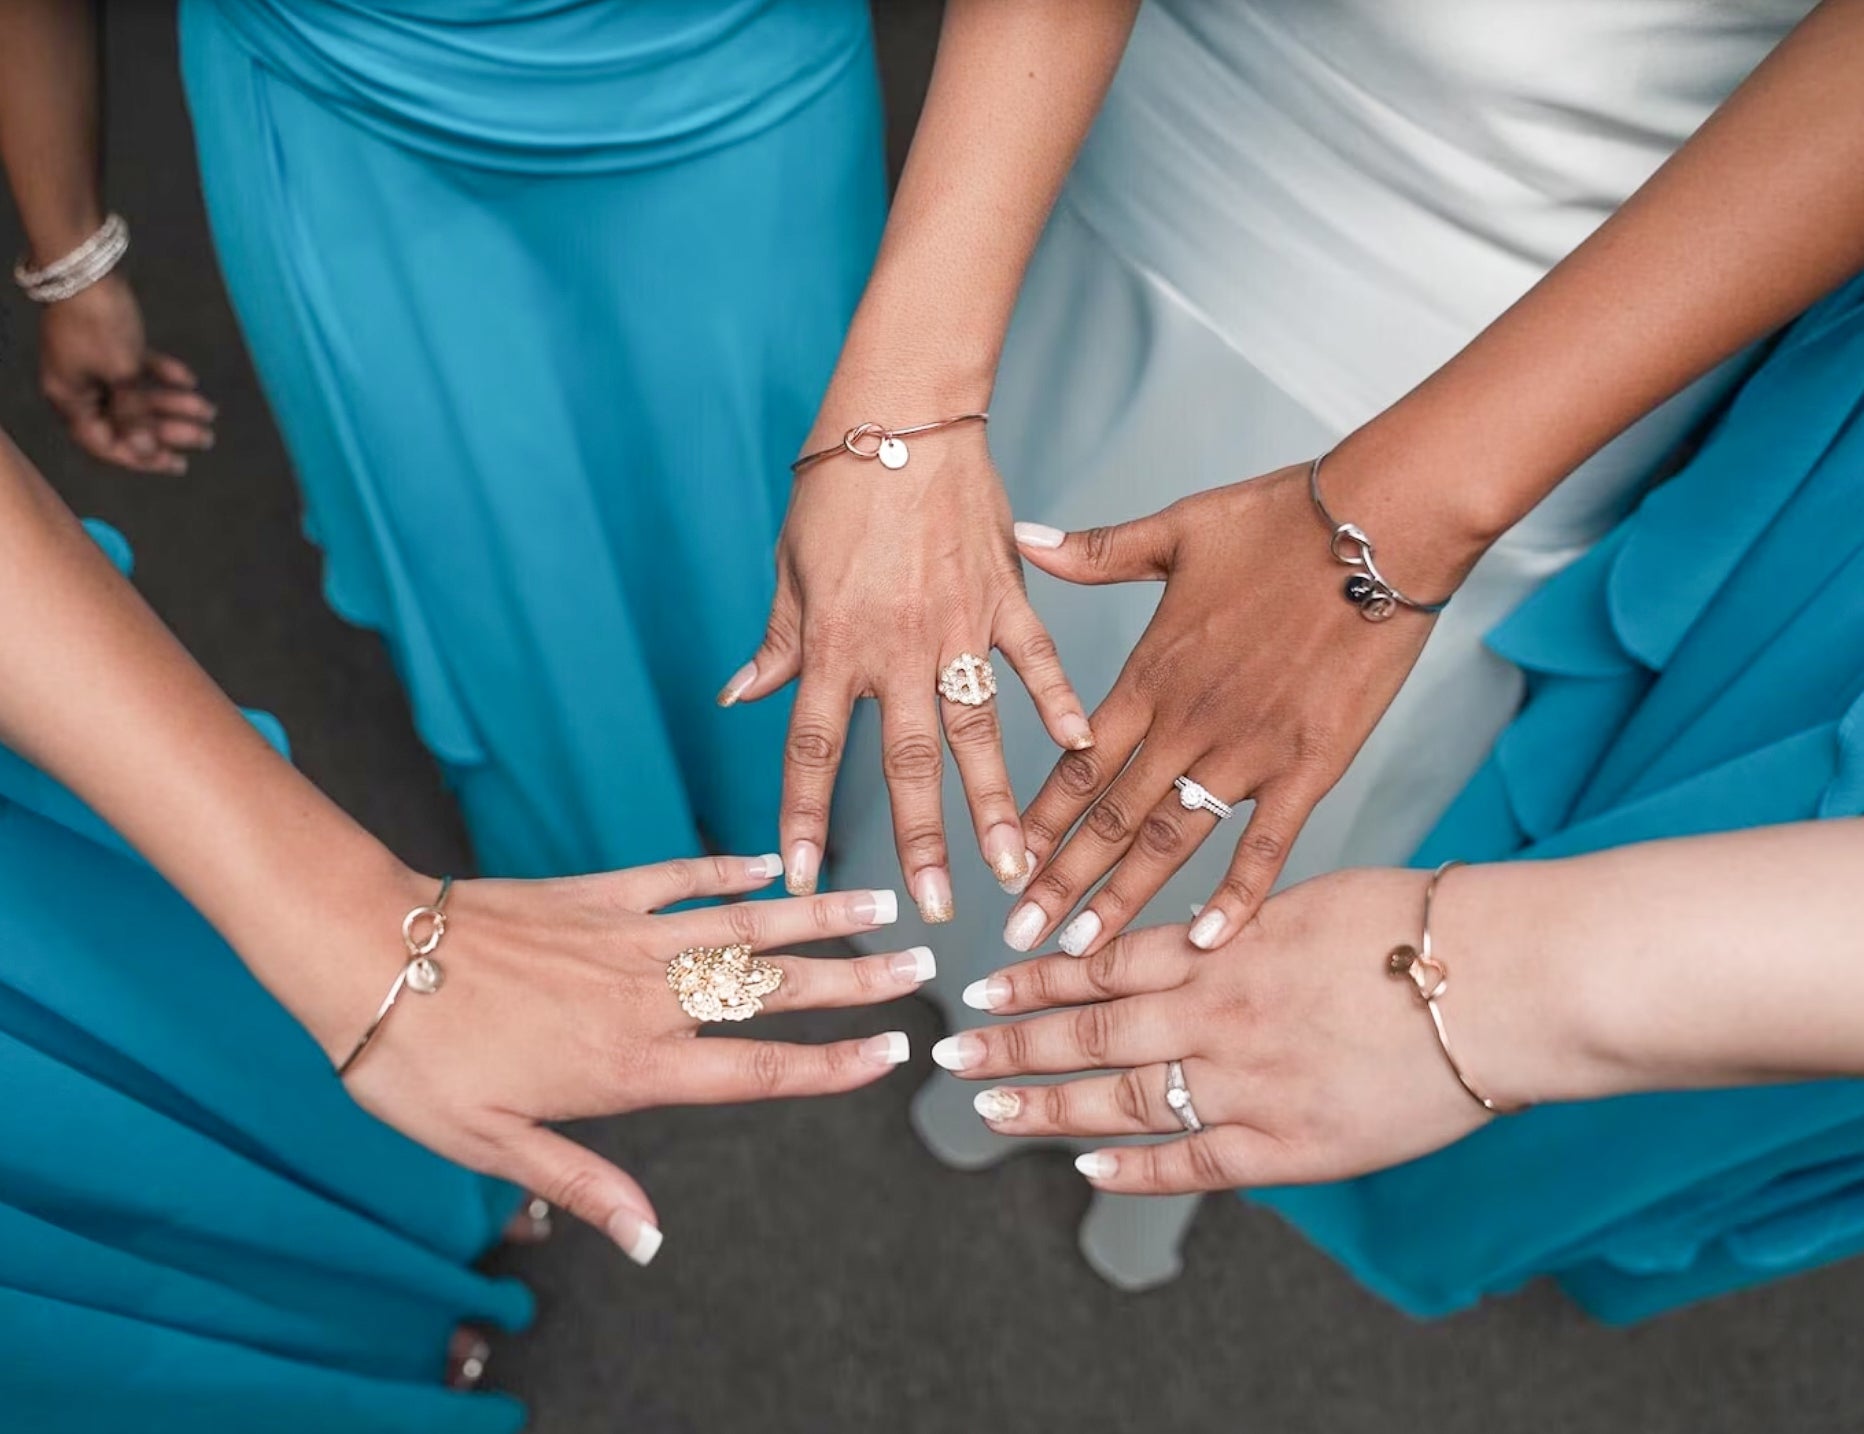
(889, 448)
(1367, 589)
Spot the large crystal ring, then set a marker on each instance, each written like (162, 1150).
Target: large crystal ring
(721, 983)
(968, 680)
(1192, 796)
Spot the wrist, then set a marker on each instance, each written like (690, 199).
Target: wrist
(50, 236)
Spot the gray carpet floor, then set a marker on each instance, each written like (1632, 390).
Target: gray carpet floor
(821, 1272)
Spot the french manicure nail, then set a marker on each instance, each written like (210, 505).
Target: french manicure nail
(1024, 926)
(876, 908)
(987, 994)
(932, 890)
(1075, 731)
(729, 694)
(1038, 535)
(1000, 1102)
(1097, 1164)
(763, 868)
(890, 1048)
(1008, 857)
(1207, 930)
(959, 1052)
(639, 1240)
(1079, 933)
(918, 965)
(800, 869)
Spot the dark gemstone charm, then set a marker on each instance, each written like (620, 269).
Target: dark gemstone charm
(1401, 959)
(1360, 588)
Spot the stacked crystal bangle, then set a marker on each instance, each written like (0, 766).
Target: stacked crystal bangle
(78, 270)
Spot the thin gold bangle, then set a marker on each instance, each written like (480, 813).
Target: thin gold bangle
(1432, 979)
(889, 445)
(421, 973)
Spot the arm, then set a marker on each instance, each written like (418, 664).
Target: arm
(123, 402)
(1700, 962)
(555, 1004)
(881, 583)
(1758, 215)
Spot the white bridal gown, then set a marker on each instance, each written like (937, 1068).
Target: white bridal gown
(1289, 213)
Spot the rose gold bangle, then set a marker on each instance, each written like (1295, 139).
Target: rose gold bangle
(421, 933)
(1432, 979)
(889, 443)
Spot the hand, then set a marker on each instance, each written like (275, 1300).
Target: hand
(556, 1006)
(1255, 677)
(123, 402)
(882, 579)
(1305, 1059)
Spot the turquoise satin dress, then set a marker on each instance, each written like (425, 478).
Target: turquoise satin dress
(199, 1230)
(1701, 670)
(544, 294)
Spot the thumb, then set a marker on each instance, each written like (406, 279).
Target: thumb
(578, 1180)
(1139, 551)
(776, 661)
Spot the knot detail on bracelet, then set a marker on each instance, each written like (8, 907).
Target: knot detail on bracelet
(875, 442)
(1367, 589)
(422, 930)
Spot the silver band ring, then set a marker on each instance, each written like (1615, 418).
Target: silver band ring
(1178, 1097)
(1193, 797)
(968, 680)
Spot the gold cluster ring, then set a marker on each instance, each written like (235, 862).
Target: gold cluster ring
(722, 983)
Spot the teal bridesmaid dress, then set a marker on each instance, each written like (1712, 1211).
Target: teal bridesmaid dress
(199, 1230)
(544, 294)
(1701, 670)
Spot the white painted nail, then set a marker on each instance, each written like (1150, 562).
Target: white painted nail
(1000, 1102)
(987, 994)
(734, 689)
(1079, 933)
(1024, 925)
(766, 866)
(917, 964)
(1207, 930)
(1038, 535)
(959, 1052)
(890, 1048)
(1096, 1164)
(876, 908)
(639, 1240)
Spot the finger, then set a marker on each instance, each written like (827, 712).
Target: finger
(822, 985)
(182, 403)
(778, 658)
(1155, 959)
(1163, 841)
(1130, 1103)
(1023, 639)
(1260, 854)
(1221, 1157)
(976, 742)
(719, 1070)
(1138, 551)
(1136, 1031)
(667, 883)
(170, 370)
(1105, 834)
(577, 1180)
(764, 925)
(183, 433)
(912, 760)
(811, 757)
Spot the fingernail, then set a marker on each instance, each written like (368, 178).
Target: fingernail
(959, 1052)
(1075, 732)
(1000, 1102)
(918, 964)
(876, 908)
(734, 689)
(1097, 1164)
(1021, 884)
(800, 869)
(1207, 930)
(987, 994)
(762, 868)
(1024, 926)
(639, 1240)
(1038, 535)
(1008, 857)
(890, 1048)
(1079, 933)
(932, 890)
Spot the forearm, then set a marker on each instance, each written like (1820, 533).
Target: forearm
(1014, 90)
(49, 121)
(1750, 222)
(97, 692)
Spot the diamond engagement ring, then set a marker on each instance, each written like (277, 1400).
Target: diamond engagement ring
(1178, 1097)
(721, 983)
(1193, 797)
(968, 680)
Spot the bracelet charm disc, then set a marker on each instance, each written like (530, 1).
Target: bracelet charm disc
(892, 453)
